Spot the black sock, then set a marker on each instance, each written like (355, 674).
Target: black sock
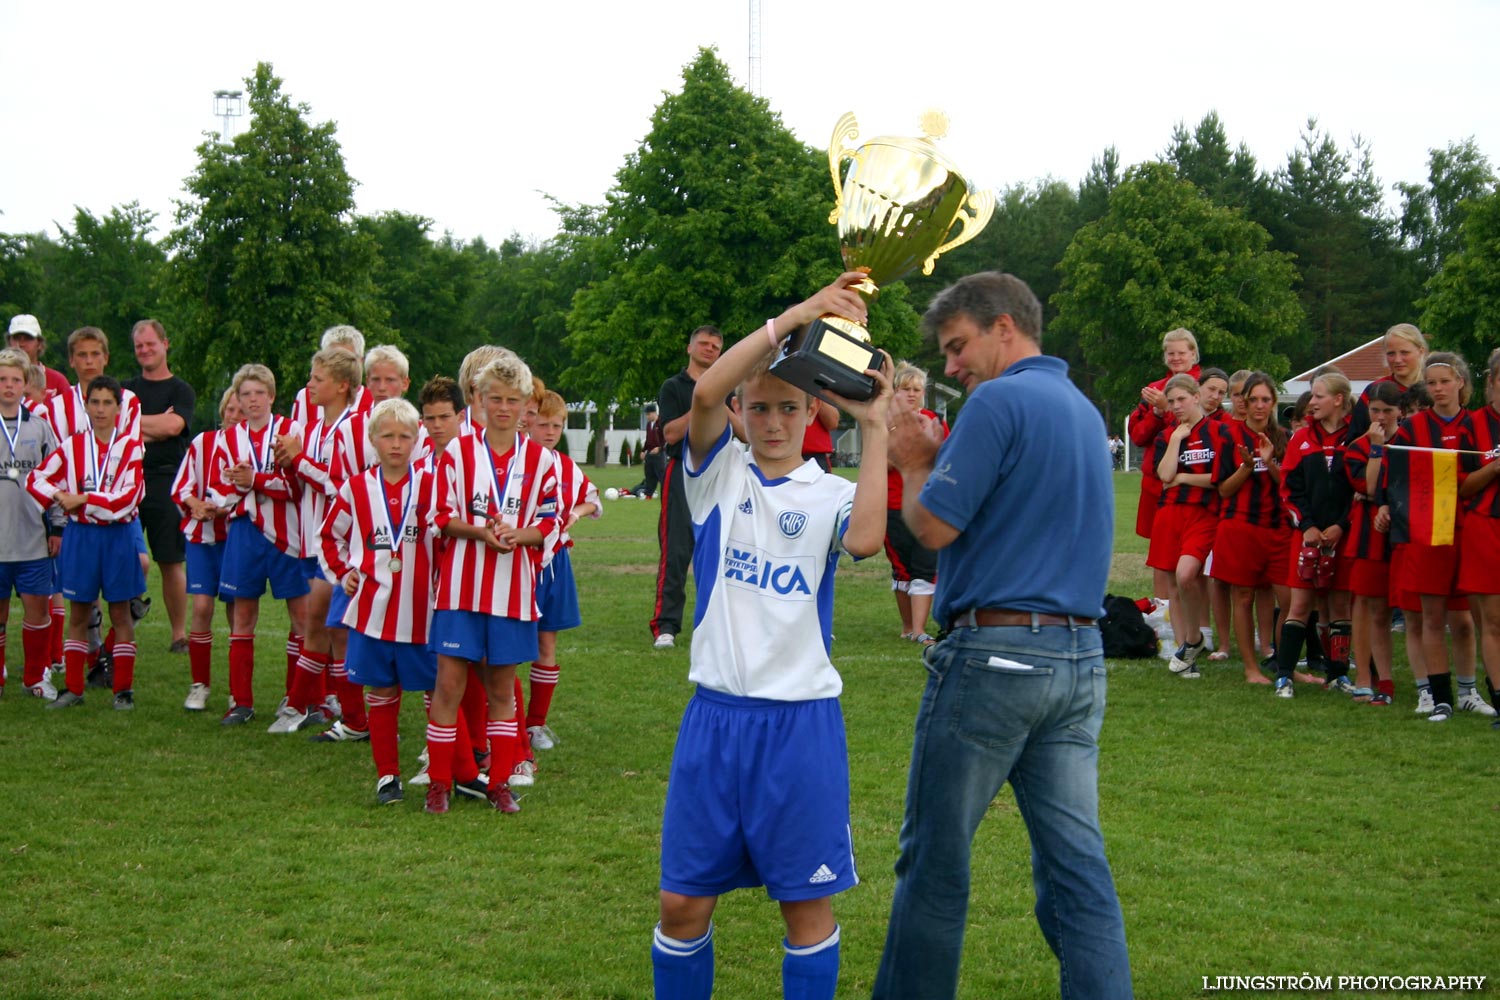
(1494, 694)
(1289, 648)
(1442, 689)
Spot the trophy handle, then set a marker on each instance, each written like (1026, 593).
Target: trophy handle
(845, 130)
(983, 206)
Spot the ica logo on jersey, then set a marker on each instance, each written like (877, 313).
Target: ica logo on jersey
(749, 568)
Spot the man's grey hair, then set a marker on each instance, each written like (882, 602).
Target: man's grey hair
(984, 298)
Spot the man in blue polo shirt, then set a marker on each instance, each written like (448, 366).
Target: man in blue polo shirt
(1018, 502)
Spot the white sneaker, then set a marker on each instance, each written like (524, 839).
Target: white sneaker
(1471, 702)
(288, 720)
(1424, 701)
(197, 699)
(46, 690)
(524, 776)
(331, 708)
(421, 777)
(423, 758)
(665, 640)
(543, 738)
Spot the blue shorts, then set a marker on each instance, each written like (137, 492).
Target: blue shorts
(380, 663)
(311, 568)
(251, 561)
(557, 595)
(139, 534)
(100, 559)
(476, 636)
(337, 605)
(758, 795)
(205, 566)
(28, 576)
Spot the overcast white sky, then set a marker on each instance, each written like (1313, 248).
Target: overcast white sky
(464, 112)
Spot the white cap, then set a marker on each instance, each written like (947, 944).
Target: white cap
(26, 325)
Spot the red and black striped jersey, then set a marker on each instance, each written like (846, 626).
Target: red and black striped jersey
(1314, 490)
(1146, 425)
(1483, 435)
(1195, 456)
(1362, 541)
(1258, 500)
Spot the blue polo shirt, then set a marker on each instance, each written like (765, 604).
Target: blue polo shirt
(1025, 478)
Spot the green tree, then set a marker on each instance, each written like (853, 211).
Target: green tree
(1229, 177)
(1164, 256)
(721, 216)
(266, 254)
(1461, 311)
(1433, 214)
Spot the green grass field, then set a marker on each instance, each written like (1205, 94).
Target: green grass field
(153, 854)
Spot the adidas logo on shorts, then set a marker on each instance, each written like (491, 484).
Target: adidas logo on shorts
(822, 875)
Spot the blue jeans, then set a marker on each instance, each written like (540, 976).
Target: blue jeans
(1023, 705)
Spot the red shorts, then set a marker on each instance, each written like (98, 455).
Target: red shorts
(1343, 569)
(1145, 510)
(1410, 600)
(1249, 555)
(1430, 569)
(1370, 578)
(1479, 564)
(1181, 530)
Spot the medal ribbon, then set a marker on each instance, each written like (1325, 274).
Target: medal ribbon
(500, 486)
(408, 494)
(261, 464)
(10, 438)
(92, 456)
(330, 432)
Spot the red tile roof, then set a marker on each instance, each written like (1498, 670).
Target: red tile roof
(1363, 364)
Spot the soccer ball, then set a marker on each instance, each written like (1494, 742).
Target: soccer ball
(611, 494)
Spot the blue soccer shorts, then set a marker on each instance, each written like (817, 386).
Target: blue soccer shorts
(557, 595)
(251, 562)
(758, 795)
(100, 560)
(380, 663)
(205, 567)
(476, 636)
(32, 577)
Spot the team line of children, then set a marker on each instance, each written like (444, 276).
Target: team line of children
(415, 551)
(1326, 528)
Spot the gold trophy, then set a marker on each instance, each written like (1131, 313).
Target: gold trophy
(895, 208)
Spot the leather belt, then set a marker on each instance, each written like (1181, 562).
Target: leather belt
(993, 617)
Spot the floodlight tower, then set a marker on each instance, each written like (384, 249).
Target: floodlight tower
(755, 47)
(228, 105)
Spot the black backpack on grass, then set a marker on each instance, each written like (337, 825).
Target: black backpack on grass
(1124, 630)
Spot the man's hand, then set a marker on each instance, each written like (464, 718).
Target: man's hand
(914, 439)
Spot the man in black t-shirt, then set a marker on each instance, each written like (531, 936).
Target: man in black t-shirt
(674, 529)
(166, 418)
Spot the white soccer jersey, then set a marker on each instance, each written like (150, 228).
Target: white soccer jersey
(68, 415)
(394, 605)
(192, 481)
(271, 503)
(519, 489)
(764, 557)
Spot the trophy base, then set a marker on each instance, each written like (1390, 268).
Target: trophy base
(822, 358)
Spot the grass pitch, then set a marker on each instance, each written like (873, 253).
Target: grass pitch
(152, 854)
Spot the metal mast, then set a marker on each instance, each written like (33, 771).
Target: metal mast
(755, 47)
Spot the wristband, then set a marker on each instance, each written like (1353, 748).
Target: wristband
(771, 333)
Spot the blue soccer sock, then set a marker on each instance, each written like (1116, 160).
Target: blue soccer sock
(811, 973)
(683, 970)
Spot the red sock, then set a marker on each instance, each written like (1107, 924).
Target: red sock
(385, 714)
(502, 735)
(242, 669)
(543, 684)
(440, 741)
(75, 659)
(476, 711)
(293, 654)
(124, 666)
(465, 767)
(200, 656)
(304, 691)
(522, 750)
(59, 631)
(1386, 686)
(36, 646)
(351, 697)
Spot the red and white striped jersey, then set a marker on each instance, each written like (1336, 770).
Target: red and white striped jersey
(192, 481)
(107, 473)
(394, 605)
(41, 412)
(68, 415)
(303, 412)
(573, 488)
(313, 468)
(352, 451)
(518, 489)
(271, 503)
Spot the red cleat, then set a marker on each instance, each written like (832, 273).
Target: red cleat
(437, 799)
(501, 800)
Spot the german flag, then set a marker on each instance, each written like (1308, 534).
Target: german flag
(1423, 494)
